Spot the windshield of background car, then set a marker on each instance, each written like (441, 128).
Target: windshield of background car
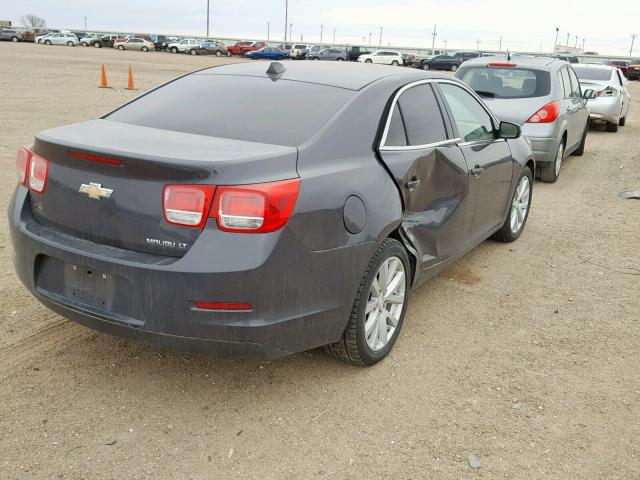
(597, 74)
(254, 109)
(507, 82)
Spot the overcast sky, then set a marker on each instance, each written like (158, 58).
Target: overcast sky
(523, 25)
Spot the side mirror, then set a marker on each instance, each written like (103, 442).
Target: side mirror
(589, 94)
(509, 130)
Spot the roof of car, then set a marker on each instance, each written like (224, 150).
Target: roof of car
(519, 60)
(351, 76)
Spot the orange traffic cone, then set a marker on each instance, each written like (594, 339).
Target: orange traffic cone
(130, 85)
(103, 78)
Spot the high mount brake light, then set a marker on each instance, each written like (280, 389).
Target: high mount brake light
(547, 114)
(187, 205)
(38, 173)
(96, 158)
(258, 208)
(505, 65)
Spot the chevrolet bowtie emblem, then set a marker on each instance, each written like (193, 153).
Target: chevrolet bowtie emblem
(95, 190)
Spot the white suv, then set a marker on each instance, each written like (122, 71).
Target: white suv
(385, 57)
(183, 45)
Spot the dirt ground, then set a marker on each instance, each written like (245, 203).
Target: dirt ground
(526, 356)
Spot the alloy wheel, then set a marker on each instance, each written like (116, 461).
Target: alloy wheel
(386, 301)
(520, 204)
(559, 156)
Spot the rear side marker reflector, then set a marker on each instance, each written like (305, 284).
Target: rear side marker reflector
(186, 205)
(235, 307)
(96, 158)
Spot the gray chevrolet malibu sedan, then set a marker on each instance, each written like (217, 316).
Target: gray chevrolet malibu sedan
(296, 210)
(543, 96)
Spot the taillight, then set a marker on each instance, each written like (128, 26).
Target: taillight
(38, 172)
(22, 164)
(607, 92)
(258, 208)
(187, 205)
(547, 114)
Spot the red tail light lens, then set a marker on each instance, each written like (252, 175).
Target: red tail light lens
(187, 205)
(38, 173)
(503, 65)
(547, 114)
(259, 208)
(22, 164)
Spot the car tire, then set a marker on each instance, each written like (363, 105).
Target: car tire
(518, 209)
(550, 173)
(85, 44)
(426, 66)
(145, 49)
(69, 44)
(97, 45)
(229, 54)
(121, 47)
(14, 39)
(174, 50)
(612, 127)
(47, 42)
(354, 347)
(580, 150)
(340, 59)
(368, 60)
(454, 68)
(395, 63)
(218, 53)
(622, 122)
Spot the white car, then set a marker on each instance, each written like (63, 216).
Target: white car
(50, 33)
(60, 39)
(183, 45)
(297, 48)
(611, 104)
(385, 57)
(88, 40)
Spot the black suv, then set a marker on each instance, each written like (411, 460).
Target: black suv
(354, 52)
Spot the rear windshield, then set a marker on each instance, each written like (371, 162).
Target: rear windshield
(508, 82)
(254, 109)
(597, 74)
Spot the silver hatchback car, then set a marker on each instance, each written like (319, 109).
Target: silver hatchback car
(543, 95)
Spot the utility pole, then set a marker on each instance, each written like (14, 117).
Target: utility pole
(445, 44)
(85, 23)
(321, 30)
(555, 43)
(370, 38)
(568, 41)
(633, 39)
(433, 40)
(380, 41)
(583, 40)
(478, 44)
(575, 46)
(500, 44)
(290, 32)
(207, 18)
(364, 40)
(268, 30)
(334, 36)
(286, 18)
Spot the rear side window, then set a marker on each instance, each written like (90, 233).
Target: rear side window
(254, 109)
(421, 114)
(508, 82)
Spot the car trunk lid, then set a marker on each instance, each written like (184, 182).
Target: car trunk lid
(136, 163)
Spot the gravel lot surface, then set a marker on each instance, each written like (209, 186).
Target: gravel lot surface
(521, 361)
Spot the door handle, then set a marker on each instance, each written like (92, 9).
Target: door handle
(477, 171)
(413, 183)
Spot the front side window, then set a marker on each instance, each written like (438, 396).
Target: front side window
(575, 84)
(472, 120)
(566, 83)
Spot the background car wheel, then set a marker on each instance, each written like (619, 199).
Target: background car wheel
(580, 151)
(229, 54)
(368, 60)
(218, 53)
(85, 44)
(69, 44)
(426, 66)
(193, 52)
(549, 173)
(97, 45)
(120, 47)
(174, 50)
(379, 308)
(339, 59)
(145, 49)
(395, 63)
(623, 121)
(519, 209)
(454, 68)
(612, 127)
(47, 42)
(14, 39)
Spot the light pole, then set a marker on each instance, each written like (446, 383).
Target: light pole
(380, 40)
(364, 40)
(568, 35)
(555, 43)
(334, 36)
(286, 18)
(207, 18)
(583, 40)
(575, 46)
(445, 44)
(268, 30)
(290, 32)
(85, 24)
(478, 44)
(370, 38)
(500, 44)
(433, 40)
(633, 39)
(321, 30)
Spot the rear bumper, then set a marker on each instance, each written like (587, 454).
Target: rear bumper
(606, 109)
(544, 149)
(300, 299)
